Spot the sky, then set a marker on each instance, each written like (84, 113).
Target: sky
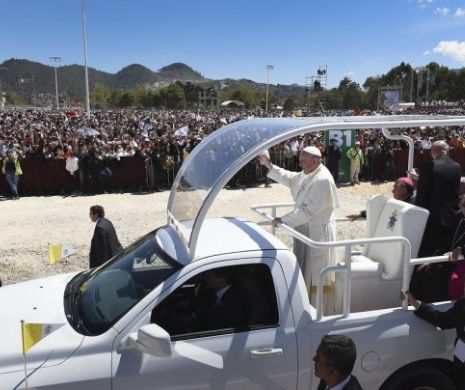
(239, 38)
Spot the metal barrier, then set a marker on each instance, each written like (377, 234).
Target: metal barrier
(42, 177)
(48, 177)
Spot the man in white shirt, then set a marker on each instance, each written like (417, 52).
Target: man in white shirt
(334, 360)
(315, 195)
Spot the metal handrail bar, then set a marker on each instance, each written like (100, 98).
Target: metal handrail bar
(429, 260)
(333, 244)
(406, 254)
(346, 268)
(274, 206)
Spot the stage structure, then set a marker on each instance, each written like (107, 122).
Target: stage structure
(208, 98)
(315, 85)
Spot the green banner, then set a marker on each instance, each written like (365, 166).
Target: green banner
(345, 140)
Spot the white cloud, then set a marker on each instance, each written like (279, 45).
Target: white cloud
(452, 49)
(460, 13)
(424, 3)
(426, 53)
(350, 73)
(442, 11)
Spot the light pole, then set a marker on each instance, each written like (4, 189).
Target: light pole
(308, 87)
(2, 94)
(86, 72)
(55, 60)
(419, 83)
(411, 84)
(268, 68)
(427, 84)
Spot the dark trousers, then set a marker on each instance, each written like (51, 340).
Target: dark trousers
(431, 285)
(333, 167)
(12, 181)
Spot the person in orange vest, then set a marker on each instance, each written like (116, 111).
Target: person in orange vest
(456, 142)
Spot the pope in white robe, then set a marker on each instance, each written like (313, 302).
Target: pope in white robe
(315, 195)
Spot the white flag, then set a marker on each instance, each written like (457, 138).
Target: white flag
(72, 164)
(182, 131)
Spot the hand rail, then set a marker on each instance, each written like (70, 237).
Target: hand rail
(273, 207)
(429, 260)
(406, 254)
(386, 132)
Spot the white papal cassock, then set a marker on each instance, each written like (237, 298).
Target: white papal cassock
(315, 197)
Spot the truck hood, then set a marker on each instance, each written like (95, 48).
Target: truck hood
(35, 301)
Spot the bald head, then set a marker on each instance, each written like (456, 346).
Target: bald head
(439, 149)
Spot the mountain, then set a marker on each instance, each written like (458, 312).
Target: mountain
(179, 71)
(27, 78)
(133, 75)
(35, 82)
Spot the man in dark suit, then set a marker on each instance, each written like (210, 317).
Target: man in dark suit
(333, 155)
(225, 308)
(334, 361)
(105, 243)
(438, 185)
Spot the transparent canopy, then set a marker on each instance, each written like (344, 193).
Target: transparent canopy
(223, 153)
(214, 156)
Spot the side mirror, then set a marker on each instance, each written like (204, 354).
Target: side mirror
(152, 339)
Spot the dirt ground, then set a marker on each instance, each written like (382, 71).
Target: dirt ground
(31, 223)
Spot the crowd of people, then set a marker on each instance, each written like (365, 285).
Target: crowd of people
(164, 138)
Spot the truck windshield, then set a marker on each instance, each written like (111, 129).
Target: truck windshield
(96, 299)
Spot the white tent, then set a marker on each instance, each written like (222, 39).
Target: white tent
(232, 103)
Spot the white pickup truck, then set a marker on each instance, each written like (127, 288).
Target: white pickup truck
(141, 320)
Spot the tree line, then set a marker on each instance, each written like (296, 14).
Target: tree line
(431, 82)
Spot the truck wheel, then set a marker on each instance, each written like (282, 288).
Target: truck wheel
(421, 378)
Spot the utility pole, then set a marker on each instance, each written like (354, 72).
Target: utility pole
(2, 94)
(86, 72)
(411, 84)
(427, 84)
(268, 68)
(56, 60)
(419, 83)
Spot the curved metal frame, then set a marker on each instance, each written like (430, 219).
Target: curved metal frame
(405, 138)
(349, 123)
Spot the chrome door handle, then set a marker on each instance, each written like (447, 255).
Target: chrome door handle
(265, 353)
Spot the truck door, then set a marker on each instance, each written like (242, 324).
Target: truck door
(230, 326)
